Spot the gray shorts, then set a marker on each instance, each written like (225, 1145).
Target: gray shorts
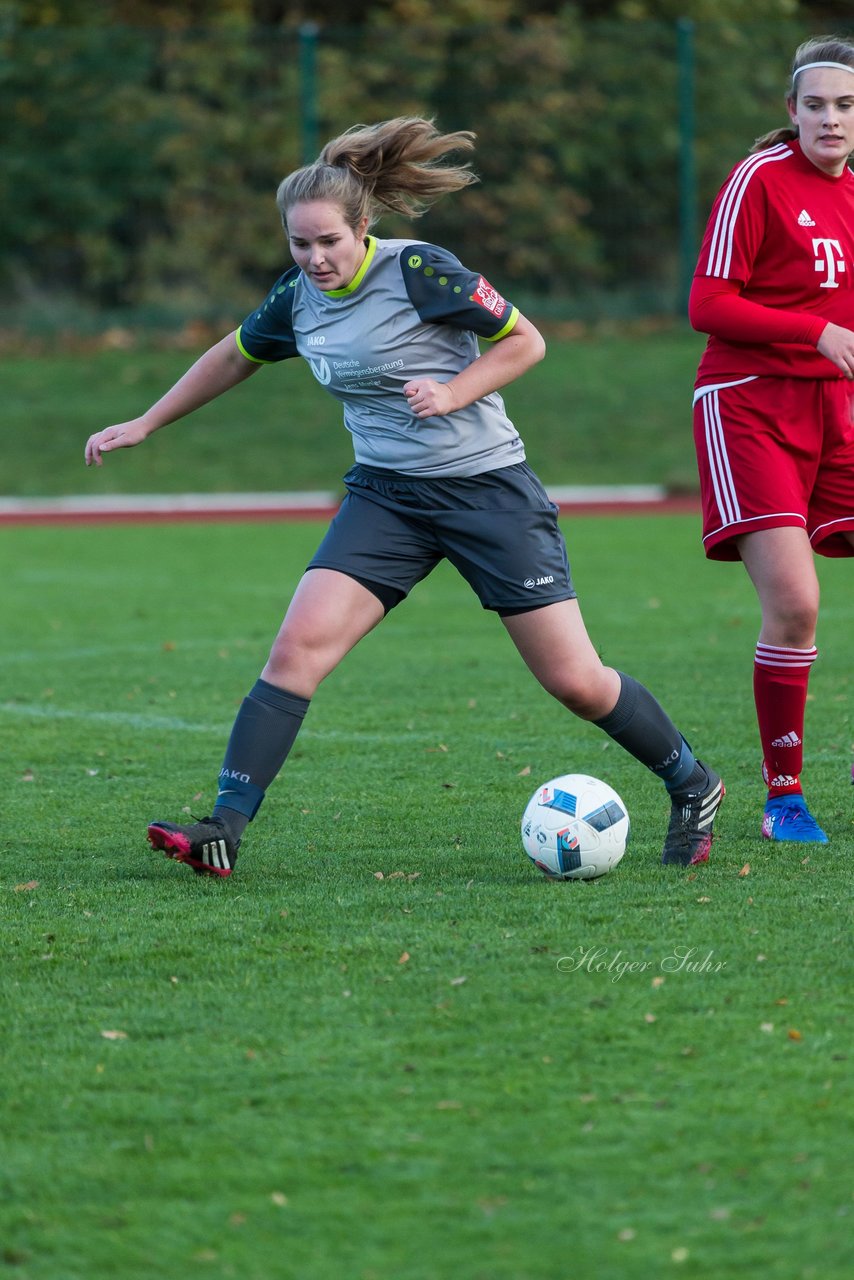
(499, 529)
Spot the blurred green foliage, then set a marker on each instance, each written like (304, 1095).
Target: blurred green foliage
(142, 144)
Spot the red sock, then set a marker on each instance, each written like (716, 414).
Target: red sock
(780, 678)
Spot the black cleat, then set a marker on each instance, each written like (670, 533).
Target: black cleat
(205, 845)
(689, 836)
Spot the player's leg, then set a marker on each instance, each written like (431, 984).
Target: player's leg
(781, 565)
(831, 514)
(849, 537)
(759, 446)
(510, 549)
(329, 613)
(554, 643)
(368, 560)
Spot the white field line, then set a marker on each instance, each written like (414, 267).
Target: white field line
(155, 723)
(132, 720)
(55, 656)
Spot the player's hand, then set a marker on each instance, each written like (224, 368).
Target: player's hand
(122, 436)
(428, 398)
(837, 344)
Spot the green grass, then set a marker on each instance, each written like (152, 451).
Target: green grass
(293, 1097)
(603, 409)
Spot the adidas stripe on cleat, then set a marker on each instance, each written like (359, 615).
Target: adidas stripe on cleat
(788, 818)
(689, 836)
(204, 845)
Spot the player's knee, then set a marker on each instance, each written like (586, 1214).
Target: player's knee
(295, 663)
(585, 694)
(794, 619)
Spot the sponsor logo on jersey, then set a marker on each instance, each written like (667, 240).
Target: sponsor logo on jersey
(488, 298)
(804, 219)
(828, 258)
(316, 340)
(320, 369)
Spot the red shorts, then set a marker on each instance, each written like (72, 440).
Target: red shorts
(774, 452)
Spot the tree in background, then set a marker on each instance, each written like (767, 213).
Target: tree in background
(143, 141)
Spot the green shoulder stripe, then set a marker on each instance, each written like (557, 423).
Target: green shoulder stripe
(244, 352)
(510, 325)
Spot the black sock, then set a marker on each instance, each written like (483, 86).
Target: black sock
(266, 727)
(642, 727)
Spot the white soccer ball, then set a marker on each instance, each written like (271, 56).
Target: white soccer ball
(575, 828)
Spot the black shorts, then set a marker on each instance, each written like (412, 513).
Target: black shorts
(499, 529)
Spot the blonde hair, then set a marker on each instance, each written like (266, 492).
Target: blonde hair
(819, 49)
(390, 167)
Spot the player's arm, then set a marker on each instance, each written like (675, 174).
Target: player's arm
(504, 361)
(716, 306)
(837, 345)
(221, 367)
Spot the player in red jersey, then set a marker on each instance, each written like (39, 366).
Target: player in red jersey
(774, 399)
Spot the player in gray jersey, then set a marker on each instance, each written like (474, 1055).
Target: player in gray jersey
(412, 310)
(391, 329)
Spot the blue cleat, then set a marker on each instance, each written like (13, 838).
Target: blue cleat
(788, 818)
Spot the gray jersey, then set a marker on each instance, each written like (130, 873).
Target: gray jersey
(411, 311)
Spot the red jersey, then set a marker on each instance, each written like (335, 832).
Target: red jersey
(776, 264)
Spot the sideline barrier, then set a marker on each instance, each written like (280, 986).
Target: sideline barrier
(320, 505)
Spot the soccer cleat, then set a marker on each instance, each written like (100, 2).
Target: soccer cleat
(788, 818)
(204, 845)
(689, 836)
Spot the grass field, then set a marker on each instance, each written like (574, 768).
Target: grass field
(610, 408)
(387, 1049)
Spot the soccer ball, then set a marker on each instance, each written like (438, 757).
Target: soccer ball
(575, 828)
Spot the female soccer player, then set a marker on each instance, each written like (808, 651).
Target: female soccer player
(390, 328)
(774, 402)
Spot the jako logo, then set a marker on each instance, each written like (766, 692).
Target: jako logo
(316, 340)
(229, 775)
(539, 582)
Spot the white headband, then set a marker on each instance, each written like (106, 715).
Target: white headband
(808, 66)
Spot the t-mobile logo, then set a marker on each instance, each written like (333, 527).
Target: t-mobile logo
(828, 258)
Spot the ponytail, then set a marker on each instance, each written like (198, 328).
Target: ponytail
(393, 166)
(771, 139)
